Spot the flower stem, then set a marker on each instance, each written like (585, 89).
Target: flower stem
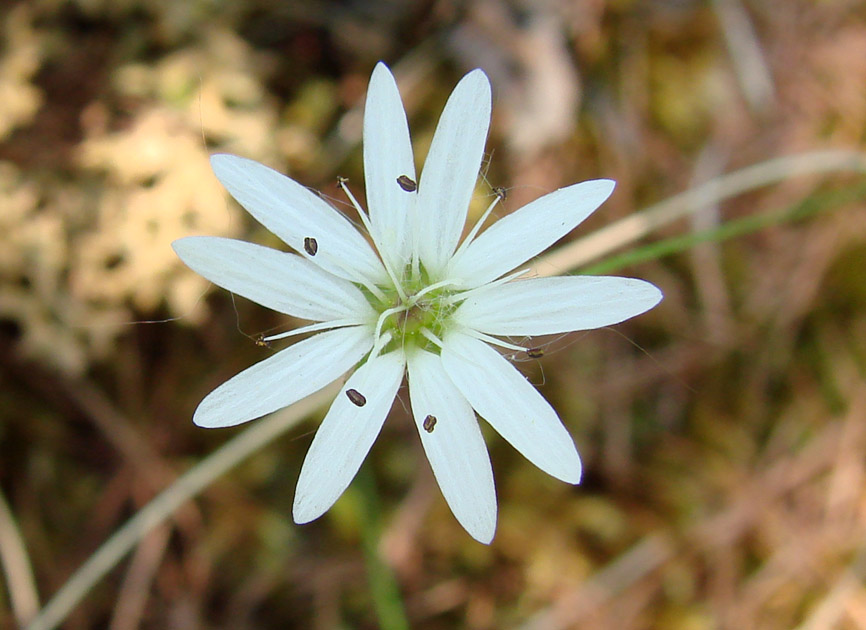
(384, 589)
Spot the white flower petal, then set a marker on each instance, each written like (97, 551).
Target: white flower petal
(450, 171)
(284, 378)
(294, 213)
(454, 445)
(280, 281)
(502, 396)
(346, 435)
(519, 236)
(388, 156)
(545, 306)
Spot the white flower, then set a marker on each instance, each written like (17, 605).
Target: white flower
(422, 304)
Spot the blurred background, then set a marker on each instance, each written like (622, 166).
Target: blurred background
(723, 433)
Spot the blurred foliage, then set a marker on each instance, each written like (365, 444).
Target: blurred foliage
(723, 433)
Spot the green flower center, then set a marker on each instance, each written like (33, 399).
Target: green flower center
(415, 317)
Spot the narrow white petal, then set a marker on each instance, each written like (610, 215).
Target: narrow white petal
(283, 282)
(502, 396)
(388, 156)
(284, 378)
(294, 213)
(454, 445)
(519, 236)
(450, 170)
(346, 435)
(545, 306)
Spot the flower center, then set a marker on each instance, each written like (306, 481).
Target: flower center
(418, 320)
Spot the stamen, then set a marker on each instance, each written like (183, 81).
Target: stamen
(372, 288)
(429, 423)
(429, 336)
(337, 323)
(385, 315)
(493, 340)
(380, 344)
(501, 192)
(475, 228)
(341, 181)
(535, 353)
(407, 183)
(416, 260)
(311, 246)
(261, 341)
(436, 285)
(358, 399)
(459, 297)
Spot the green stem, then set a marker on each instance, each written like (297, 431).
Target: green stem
(383, 584)
(738, 227)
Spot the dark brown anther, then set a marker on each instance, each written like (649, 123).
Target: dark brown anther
(500, 192)
(310, 245)
(407, 184)
(429, 423)
(260, 341)
(535, 353)
(356, 397)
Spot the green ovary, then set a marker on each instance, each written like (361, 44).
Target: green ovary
(407, 326)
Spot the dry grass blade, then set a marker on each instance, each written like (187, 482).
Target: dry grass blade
(167, 502)
(606, 585)
(636, 226)
(16, 567)
(132, 598)
(749, 61)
